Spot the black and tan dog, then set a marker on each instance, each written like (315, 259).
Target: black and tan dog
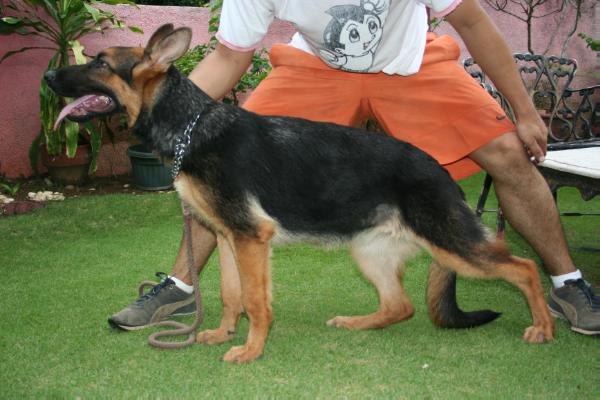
(256, 180)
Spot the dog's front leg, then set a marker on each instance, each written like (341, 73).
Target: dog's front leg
(231, 295)
(252, 256)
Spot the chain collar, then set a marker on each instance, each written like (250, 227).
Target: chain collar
(181, 145)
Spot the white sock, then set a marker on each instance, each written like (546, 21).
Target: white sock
(559, 281)
(182, 285)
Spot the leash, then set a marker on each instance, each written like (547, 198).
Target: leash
(180, 328)
(181, 145)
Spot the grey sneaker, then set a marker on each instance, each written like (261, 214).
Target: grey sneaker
(163, 300)
(577, 303)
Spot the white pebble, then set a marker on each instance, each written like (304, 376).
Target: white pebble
(5, 199)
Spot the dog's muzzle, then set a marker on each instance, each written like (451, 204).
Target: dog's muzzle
(82, 108)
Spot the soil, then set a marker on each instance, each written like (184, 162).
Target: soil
(93, 187)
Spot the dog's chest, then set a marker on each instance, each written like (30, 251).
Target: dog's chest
(200, 200)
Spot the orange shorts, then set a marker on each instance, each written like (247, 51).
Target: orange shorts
(441, 109)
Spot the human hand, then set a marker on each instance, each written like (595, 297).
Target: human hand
(532, 131)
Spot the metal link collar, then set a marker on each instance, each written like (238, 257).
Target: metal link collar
(181, 145)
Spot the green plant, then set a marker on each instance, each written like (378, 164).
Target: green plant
(61, 23)
(434, 23)
(10, 189)
(259, 69)
(193, 56)
(592, 43)
(256, 73)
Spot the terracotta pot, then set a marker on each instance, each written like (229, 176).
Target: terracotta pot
(68, 171)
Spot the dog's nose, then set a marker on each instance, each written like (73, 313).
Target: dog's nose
(50, 75)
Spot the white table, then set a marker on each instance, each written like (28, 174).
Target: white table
(578, 167)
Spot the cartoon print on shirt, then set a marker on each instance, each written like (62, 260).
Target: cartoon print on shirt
(352, 36)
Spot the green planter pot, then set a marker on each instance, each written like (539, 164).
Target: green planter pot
(149, 173)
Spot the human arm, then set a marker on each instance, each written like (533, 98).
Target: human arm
(487, 46)
(221, 70)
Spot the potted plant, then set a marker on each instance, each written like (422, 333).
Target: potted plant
(62, 23)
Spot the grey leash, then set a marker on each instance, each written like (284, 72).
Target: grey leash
(181, 146)
(180, 328)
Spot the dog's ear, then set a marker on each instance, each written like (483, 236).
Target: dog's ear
(169, 48)
(158, 35)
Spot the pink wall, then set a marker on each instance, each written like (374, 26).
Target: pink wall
(515, 33)
(20, 75)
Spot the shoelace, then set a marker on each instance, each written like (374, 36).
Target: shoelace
(164, 281)
(588, 292)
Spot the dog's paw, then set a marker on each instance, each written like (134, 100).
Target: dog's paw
(538, 334)
(241, 354)
(214, 336)
(341, 322)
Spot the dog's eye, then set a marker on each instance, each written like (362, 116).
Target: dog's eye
(101, 64)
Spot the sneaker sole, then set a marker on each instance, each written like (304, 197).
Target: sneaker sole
(559, 315)
(585, 332)
(161, 314)
(115, 325)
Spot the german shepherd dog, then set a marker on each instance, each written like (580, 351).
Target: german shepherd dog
(256, 180)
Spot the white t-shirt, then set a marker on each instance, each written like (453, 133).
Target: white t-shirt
(351, 35)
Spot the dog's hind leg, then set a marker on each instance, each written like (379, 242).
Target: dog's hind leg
(492, 260)
(252, 257)
(380, 257)
(231, 295)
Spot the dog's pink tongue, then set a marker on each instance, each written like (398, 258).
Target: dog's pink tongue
(83, 105)
(70, 107)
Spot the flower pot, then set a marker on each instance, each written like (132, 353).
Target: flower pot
(149, 173)
(65, 170)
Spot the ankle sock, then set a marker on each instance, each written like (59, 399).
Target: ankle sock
(182, 285)
(559, 281)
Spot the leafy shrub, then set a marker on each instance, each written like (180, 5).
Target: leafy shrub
(592, 43)
(256, 73)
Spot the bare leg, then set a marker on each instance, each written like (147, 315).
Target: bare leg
(526, 200)
(380, 259)
(231, 295)
(204, 242)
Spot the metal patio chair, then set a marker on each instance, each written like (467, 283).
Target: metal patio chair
(573, 120)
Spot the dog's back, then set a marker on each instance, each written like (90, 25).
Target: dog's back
(328, 182)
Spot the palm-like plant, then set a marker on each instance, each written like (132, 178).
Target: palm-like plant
(62, 23)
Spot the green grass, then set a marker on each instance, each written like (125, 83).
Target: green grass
(67, 267)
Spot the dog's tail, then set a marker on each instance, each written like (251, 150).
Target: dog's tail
(441, 302)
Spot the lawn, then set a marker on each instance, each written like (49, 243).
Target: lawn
(67, 267)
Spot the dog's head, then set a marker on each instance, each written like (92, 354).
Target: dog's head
(119, 79)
